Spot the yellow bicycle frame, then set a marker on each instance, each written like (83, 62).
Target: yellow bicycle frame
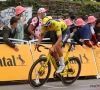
(68, 65)
(52, 59)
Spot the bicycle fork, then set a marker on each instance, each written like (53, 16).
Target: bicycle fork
(44, 65)
(41, 70)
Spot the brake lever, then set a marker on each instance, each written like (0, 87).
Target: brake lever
(38, 49)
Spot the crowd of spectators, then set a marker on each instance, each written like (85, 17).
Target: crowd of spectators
(85, 29)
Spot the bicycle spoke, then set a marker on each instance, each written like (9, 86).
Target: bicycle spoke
(71, 71)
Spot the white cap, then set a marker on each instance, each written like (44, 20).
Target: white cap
(42, 10)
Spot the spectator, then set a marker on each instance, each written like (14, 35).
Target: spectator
(9, 32)
(76, 32)
(87, 33)
(79, 24)
(35, 25)
(72, 19)
(20, 27)
(97, 29)
(68, 23)
(85, 18)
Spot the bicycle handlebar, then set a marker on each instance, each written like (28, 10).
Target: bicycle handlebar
(72, 43)
(41, 46)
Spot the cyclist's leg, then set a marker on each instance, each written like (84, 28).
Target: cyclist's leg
(59, 49)
(61, 62)
(54, 39)
(56, 55)
(60, 52)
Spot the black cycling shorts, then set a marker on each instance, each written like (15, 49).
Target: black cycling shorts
(53, 35)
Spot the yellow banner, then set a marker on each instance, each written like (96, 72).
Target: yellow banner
(85, 56)
(97, 57)
(14, 65)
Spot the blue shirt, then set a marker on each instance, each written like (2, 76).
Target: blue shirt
(85, 32)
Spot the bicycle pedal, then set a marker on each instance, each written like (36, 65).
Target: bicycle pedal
(56, 76)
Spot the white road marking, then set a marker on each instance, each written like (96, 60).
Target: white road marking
(52, 87)
(57, 87)
(49, 86)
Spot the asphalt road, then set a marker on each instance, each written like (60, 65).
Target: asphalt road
(91, 84)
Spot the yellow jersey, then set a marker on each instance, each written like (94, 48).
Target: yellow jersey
(56, 25)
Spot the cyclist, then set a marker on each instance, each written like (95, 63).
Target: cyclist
(60, 30)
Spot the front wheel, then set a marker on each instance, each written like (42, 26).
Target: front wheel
(39, 72)
(72, 71)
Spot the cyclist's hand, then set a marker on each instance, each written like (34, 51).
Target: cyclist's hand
(51, 50)
(36, 46)
(84, 46)
(16, 48)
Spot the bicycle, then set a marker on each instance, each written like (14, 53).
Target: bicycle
(43, 64)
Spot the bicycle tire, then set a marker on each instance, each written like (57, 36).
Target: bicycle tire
(65, 80)
(31, 81)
